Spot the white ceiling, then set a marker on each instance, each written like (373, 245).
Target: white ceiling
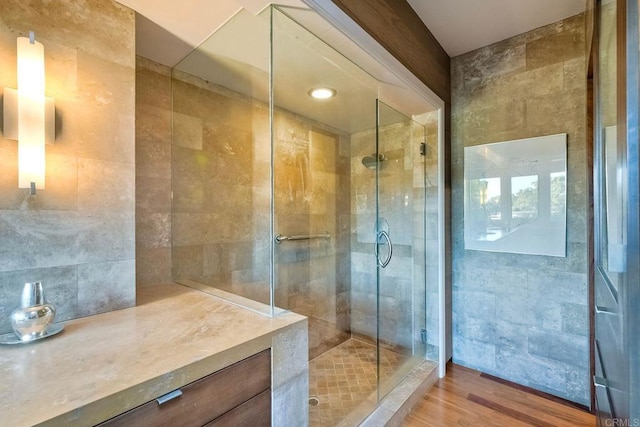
(168, 29)
(465, 25)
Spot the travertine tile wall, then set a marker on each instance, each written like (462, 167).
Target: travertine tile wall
(221, 204)
(312, 176)
(524, 317)
(401, 313)
(221, 188)
(77, 235)
(153, 173)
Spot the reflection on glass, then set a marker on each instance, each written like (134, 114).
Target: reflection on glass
(611, 254)
(515, 196)
(615, 258)
(484, 203)
(524, 199)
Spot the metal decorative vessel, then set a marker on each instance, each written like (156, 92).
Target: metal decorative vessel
(31, 320)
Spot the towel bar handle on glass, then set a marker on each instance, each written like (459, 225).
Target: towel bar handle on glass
(385, 235)
(279, 238)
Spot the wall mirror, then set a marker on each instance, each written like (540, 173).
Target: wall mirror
(515, 196)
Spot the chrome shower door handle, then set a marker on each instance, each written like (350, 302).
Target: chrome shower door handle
(386, 262)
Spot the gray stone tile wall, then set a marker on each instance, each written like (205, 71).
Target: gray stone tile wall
(76, 235)
(521, 317)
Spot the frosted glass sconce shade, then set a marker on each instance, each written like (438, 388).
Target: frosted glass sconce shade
(29, 117)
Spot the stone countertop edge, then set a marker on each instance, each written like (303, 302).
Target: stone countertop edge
(106, 364)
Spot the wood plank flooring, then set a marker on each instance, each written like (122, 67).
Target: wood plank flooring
(468, 398)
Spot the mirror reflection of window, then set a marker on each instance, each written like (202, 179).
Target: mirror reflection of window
(558, 196)
(484, 203)
(524, 199)
(515, 196)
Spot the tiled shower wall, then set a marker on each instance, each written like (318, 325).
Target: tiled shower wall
(221, 204)
(77, 234)
(153, 173)
(402, 194)
(220, 162)
(523, 317)
(312, 175)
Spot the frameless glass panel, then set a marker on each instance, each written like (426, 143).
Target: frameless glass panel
(318, 272)
(426, 184)
(612, 376)
(612, 151)
(402, 254)
(220, 163)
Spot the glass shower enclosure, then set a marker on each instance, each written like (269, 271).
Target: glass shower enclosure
(325, 207)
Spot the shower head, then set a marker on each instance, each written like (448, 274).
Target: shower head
(371, 161)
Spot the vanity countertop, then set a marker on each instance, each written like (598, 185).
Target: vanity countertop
(103, 365)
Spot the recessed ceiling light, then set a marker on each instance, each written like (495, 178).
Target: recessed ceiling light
(322, 93)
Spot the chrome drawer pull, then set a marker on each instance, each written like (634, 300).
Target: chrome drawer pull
(169, 396)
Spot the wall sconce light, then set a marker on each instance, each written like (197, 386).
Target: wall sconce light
(29, 116)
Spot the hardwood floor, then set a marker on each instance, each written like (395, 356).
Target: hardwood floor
(468, 398)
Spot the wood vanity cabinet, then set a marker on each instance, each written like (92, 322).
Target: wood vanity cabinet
(239, 395)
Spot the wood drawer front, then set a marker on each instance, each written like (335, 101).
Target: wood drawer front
(252, 413)
(206, 399)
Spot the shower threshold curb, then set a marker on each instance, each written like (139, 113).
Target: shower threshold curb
(395, 407)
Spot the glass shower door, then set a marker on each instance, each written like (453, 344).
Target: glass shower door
(400, 246)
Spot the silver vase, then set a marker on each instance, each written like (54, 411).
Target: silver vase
(31, 320)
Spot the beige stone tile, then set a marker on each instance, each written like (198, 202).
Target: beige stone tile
(61, 71)
(106, 286)
(228, 198)
(106, 186)
(575, 74)
(79, 19)
(153, 84)
(153, 195)
(491, 62)
(153, 124)
(33, 239)
(542, 81)
(545, 118)
(102, 83)
(61, 184)
(188, 193)
(10, 195)
(186, 262)
(153, 266)
(187, 131)
(481, 126)
(558, 47)
(102, 133)
(322, 151)
(190, 229)
(8, 72)
(153, 230)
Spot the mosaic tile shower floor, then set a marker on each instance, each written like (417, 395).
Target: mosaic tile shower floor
(345, 377)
